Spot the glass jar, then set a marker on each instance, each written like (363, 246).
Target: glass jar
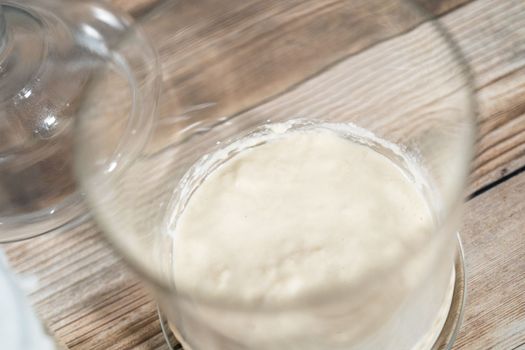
(230, 70)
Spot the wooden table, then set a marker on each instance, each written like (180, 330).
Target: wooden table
(90, 300)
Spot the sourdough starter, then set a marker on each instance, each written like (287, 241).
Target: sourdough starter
(292, 241)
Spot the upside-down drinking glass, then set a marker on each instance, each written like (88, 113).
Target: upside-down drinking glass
(230, 68)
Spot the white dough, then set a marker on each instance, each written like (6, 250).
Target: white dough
(303, 214)
(297, 214)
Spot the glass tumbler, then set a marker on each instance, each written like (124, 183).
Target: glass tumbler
(228, 70)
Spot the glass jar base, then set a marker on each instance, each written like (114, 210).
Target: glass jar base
(447, 334)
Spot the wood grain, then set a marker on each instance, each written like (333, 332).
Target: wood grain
(206, 64)
(90, 299)
(136, 8)
(440, 7)
(493, 235)
(210, 60)
(87, 296)
(491, 35)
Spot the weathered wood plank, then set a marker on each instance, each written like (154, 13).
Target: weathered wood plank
(203, 66)
(108, 309)
(87, 296)
(501, 146)
(90, 300)
(440, 7)
(491, 34)
(494, 241)
(136, 7)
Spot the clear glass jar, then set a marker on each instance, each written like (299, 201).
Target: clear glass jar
(49, 52)
(228, 70)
